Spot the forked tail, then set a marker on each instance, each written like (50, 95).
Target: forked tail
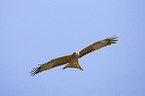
(73, 64)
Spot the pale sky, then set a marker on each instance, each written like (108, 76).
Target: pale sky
(33, 32)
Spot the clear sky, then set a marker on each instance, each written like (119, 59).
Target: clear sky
(35, 31)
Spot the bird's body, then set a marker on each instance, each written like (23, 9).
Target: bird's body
(72, 59)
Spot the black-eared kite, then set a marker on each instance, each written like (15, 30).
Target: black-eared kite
(72, 59)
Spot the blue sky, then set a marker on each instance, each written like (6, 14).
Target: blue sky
(35, 31)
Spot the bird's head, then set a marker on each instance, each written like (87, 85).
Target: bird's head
(75, 53)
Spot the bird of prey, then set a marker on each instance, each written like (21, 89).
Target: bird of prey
(72, 59)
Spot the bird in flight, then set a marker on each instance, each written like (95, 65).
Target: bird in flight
(72, 59)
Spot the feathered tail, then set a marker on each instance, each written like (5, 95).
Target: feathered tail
(73, 64)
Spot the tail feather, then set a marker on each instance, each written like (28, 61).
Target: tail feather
(73, 64)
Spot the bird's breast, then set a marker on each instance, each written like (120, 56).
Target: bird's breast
(75, 56)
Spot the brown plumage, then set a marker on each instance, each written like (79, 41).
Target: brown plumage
(73, 59)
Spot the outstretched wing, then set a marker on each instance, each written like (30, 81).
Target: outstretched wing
(53, 63)
(97, 45)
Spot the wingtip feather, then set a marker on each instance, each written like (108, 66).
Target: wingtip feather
(35, 70)
(113, 39)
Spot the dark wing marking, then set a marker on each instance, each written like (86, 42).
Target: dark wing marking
(97, 45)
(53, 63)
